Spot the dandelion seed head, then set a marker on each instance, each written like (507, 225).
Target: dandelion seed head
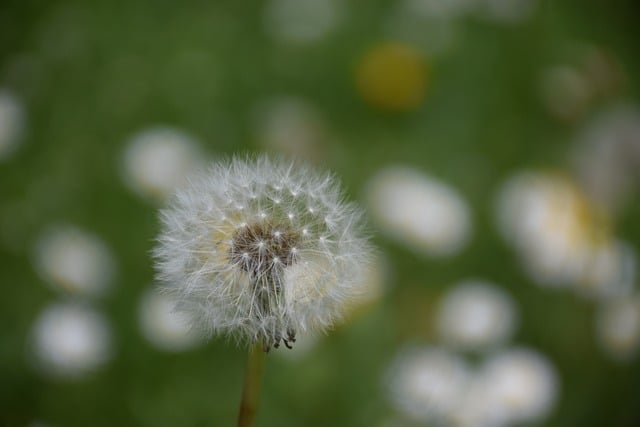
(272, 269)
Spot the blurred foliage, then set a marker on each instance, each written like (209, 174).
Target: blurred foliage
(93, 73)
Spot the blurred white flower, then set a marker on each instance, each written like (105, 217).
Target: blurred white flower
(607, 157)
(74, 261)
(165, 328)
(440, 9)
(476, 315)
(290, 126)
(301, 21)
(419, 211)
(262, 250)
(508, 11)
(12, 123)
(474, 407)
(562, 238)
(430, 33)
(157, 160)
(434, 385)
(426, 383)
(608, 271)
(565, 92)
(588, 76)
(618, 327)
(520, 385)
(70, 340)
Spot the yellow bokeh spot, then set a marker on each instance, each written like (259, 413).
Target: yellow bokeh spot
(392, 77)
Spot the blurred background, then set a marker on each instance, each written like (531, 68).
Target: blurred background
(495, 145)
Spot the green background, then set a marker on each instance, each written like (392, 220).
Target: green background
(93, 73)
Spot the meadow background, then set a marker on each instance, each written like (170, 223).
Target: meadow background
(469, 93)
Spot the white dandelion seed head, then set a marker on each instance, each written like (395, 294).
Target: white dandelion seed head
(75, 261)
(262, 250)
(476, 315)
(70, 340)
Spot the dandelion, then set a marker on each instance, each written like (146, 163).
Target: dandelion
(261, 251)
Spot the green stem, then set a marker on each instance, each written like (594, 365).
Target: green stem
(251, 391)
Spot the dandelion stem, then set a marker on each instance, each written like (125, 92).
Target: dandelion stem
(252, 381)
